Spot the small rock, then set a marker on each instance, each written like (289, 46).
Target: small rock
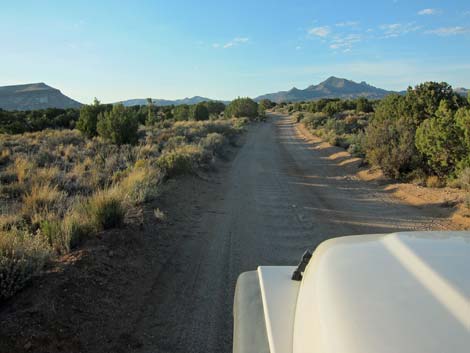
(27, 346)
(111, 253)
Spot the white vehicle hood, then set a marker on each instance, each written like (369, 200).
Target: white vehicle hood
(403, 292)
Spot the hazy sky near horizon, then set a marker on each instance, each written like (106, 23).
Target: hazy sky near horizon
(223, 49)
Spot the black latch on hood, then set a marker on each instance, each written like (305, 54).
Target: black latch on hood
(297, 275)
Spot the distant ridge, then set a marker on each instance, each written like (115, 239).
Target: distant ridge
(333, 87)
(34, 96)
(462, 91)
(165, 102)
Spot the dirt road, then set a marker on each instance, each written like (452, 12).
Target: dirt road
(280, 196)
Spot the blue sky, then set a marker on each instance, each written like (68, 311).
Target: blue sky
(224, 49)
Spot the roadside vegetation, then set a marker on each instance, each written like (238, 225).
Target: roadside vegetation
(421, 136)
(66, 176)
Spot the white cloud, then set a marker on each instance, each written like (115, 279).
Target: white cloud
(427, 12)
(298, 47)
(320, 31)
(345, 43)
(466, 13)
(234, 42)
(347, 24)
(398, 29)
(449, 31)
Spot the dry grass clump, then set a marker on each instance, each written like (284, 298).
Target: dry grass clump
(4, 156)
(22, 256)
(105, 209)
(42, 200)
(434, 181)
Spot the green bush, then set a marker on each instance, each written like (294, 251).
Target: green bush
(199, 112)
(356, 145)
(437, 139)
(181, 112)
(389, 144)
(242, 107)
(363, 105)
(215, 108)
(88, 120)
(118, 125)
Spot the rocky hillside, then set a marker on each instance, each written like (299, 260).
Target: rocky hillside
(333, 87)
(34, 96)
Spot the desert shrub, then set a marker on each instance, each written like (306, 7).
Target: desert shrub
(355, 144)
(140, 184)
(332, 138)
(199, 112)
(214, 142)
(105, 209)
(363, 105)
(298, 116)
(333, 107)
(180, 161)
(239, 124)
(174, 142)
(22, 256)
(437, 139)
(315, 120)
(389, 144)
(182, 112)
(118, 125)
(88, 120)
(242, 107)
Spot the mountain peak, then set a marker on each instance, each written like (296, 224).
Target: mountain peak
(336, 82)
(332, 87)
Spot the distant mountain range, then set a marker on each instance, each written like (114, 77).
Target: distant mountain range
(165, 102)
(332, 87)
(40, 96)
(34, 96)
